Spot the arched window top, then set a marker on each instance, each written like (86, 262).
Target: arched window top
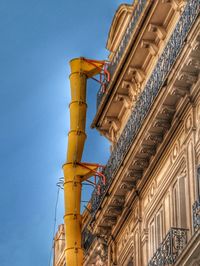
(118, 26)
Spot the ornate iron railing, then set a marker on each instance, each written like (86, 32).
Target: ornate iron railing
(196, 215)
(147, 97)
(170, 248)
(123, 44)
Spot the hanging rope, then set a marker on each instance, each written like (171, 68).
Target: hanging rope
(54, 226)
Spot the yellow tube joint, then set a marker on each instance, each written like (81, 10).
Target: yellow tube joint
(86, 66)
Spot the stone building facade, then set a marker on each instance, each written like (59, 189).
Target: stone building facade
(148, 212)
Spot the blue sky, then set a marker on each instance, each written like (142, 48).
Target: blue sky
(37, 39)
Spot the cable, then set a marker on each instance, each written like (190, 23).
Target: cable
(54, 226)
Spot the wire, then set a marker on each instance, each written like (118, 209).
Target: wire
(60, 183)
(54, 226)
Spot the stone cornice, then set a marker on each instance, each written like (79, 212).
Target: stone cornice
(145, 40)
(167, 95)
(183, 107)
(132, 30)
(171, 103)
(149, 94)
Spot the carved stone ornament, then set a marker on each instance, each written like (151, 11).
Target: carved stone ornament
(118, 201)
(153, 86)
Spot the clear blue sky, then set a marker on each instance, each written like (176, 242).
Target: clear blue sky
(37, 39)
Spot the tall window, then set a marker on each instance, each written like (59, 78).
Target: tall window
(179, 203)
(159, 227)
(175, 205)
(152, 237)
(156, 228)
(182, 203)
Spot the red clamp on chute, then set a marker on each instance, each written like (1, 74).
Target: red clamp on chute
(96, 174)
(104, 74)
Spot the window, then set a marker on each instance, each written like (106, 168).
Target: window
(179, 203)
(159, 227)
(152, 237)
(175, 205)
(167, 213)
(156, 231)
(182, 203)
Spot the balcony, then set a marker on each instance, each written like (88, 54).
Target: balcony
(154, 132)
(196, 215)
(148, 96)
(171, 247)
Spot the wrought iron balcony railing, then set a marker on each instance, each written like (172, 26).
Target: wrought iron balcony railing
(196, 215)
(124, 42)
(170, 248)
(147, 97)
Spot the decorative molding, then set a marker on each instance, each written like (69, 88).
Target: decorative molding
(151, 46)
(114, 210)
(125, 99)
(118, 201)
(147, 97)
(158, 30)
(138, 10)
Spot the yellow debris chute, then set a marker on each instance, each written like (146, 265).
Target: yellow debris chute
(76, 172)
